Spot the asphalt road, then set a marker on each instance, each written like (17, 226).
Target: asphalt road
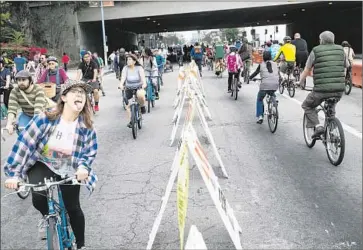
(284, 195)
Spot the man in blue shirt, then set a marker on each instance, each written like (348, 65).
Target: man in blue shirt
(20, 62)
(5, 82)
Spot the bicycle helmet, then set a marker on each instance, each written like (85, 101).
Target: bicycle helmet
(345, 44)
(232, 48)
(287, 39)
(24, 74)
(52, 59)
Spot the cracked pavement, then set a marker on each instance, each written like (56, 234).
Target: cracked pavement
(284, 195)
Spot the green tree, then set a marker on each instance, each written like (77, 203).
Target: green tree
(17, 38)
(230, 34)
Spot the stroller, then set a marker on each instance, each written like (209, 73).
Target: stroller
(220, 67)
(168, 66)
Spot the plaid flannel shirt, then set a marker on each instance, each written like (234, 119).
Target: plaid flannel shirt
(28, 148)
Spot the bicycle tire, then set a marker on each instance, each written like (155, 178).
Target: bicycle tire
(152, 103)
(342, 141)
(272, 115)
(70, 235)
(123, 100)
(235, 88)
(133, 122)
(54, 240)
(25, 194)
(348, 87)
(139, 121)
(232, 88)
(309, 141)
(281, 87)
(291, 89)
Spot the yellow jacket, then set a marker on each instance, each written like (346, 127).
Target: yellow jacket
(289, 52)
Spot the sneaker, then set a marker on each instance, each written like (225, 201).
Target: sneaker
(318, 132)
(229, 91)
(129, 125)
(96, 108)
(103, 93)
(83, 248)
(143, 110)
(239, 85)
(260, 119)
(157, 95)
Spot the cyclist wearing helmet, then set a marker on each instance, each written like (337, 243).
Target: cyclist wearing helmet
(55, 75)
(26, 96)
(63, 142)
(234, 65)
(245, 53)
(88, 69)
(288, 50)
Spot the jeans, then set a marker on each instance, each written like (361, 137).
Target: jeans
(65, 67)
(199, 63)
(70, 195)
(259, 103)
(24, 120)
(313, 100)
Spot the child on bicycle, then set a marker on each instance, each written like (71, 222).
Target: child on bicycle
(234, 65)
(269, 82)
(57, 144)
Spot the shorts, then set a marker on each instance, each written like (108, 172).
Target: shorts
(95, 85)
(301, 58)
(128, 94)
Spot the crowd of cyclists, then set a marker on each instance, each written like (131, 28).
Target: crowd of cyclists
(59, 138)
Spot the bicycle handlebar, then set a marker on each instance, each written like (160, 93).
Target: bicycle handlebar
(47, 184)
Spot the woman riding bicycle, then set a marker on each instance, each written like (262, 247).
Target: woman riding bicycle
(148, 61)
(57, 144)
(133, 77)
(269, 82)
(234, 65)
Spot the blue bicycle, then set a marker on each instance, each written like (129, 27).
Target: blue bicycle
(59, 232)
(150, 94)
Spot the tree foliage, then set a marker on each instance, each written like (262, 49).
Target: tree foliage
(230, 34)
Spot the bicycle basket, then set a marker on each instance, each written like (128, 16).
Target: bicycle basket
(49, 89)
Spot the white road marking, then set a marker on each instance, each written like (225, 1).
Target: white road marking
(346, 127)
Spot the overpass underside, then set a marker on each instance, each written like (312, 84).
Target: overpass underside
(344, 19)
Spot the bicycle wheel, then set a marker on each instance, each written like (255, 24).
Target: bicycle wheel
(281, 87)
(235, 88)
(25, 194)
(308, 132)
(123, 99)
(152, 103)
(232, 88)
(134, 121)
(247, 77)
(54, 239)
(70, 241)
(335, 141)
(348, 86)
(273, 116)
(291, 89)
(139, 120)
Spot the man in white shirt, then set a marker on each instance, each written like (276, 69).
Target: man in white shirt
(112, 58)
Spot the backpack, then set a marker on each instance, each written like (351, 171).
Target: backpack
(159, 60)
(232, 63)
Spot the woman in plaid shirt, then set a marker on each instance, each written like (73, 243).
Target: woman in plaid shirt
(58, 144)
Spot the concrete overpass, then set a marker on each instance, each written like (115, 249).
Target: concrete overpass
(126, 19)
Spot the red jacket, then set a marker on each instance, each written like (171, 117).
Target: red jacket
(65, 59)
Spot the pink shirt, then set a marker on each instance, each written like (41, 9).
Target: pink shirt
(62, 77)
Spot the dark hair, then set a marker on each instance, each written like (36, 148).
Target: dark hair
(64, 53)
(133, 57)
(266, 58)
(148, 52)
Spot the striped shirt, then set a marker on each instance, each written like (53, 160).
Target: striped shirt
(30, 144)
(36, 97)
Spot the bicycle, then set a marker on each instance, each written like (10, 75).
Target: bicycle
(150, 93)
(272, 109)
(246, 73)
(328, 138)
(59, 233)
(136, 116)
(234, 87)
(288, 83)
(348, 81)
(4, 110)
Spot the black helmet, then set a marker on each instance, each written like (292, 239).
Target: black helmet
(232, 48)
(287, 39)
(345, 44)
